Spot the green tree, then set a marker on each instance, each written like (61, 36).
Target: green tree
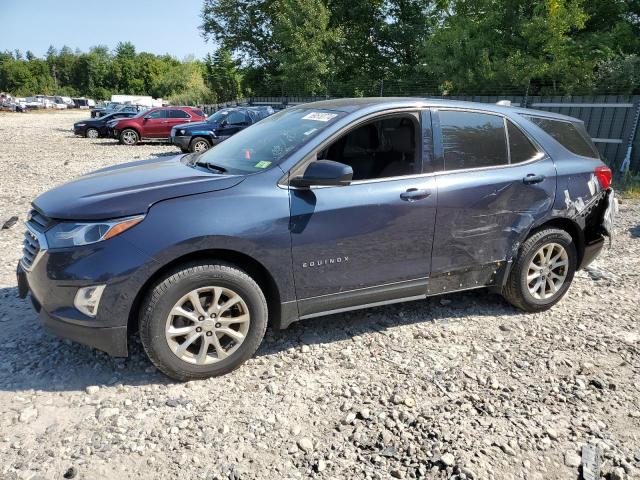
(222, 75)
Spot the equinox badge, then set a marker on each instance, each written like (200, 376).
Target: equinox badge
(326, 261)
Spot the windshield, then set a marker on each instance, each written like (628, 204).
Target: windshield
(218, 116)
(269, 141)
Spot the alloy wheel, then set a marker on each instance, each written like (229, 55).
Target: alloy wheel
(92, 133)
(547, 271)
(129, 137)
(200, 146)
(207, 325)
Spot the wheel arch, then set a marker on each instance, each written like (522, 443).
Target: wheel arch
(203, 137)
(569, 226)
(562, 223)
(250, 265)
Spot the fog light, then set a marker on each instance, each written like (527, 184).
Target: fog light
(88, 299)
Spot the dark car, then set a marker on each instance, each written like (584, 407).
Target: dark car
(97, 127)
(154, 124)
(319, 209)
(198, 137)
(106, 107)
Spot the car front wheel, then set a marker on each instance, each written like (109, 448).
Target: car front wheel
(199, 145)
(543, 271)
(129, 137)
(92, 133)
(202, 320)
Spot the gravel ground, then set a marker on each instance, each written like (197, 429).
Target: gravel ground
(461, 386)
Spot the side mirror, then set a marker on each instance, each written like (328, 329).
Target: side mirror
(324, 173)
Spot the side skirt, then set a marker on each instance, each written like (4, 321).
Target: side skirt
(468, 279)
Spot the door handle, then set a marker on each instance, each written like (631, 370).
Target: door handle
(413, 194)
(531, 178)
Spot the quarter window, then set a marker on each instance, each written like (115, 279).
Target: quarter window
(472, 140)
(571, 136)
(520, 147)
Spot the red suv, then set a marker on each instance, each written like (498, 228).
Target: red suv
(155, 123)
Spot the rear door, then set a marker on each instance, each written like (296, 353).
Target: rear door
(493, 183)
(176, 117)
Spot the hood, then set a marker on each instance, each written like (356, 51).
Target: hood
(204, 126)
(129, 189)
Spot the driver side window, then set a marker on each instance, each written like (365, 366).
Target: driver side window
(236, 118)
(157, 114)
(382, 148)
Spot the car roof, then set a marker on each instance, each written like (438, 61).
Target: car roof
(350, 105)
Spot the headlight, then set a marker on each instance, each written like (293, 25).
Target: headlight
(80, 124)
(69, 234)
(181, 131)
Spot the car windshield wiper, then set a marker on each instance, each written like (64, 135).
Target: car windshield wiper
(211, 166)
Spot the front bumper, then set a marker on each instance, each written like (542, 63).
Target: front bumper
(54, 279)
(79, 130)
(181, 141)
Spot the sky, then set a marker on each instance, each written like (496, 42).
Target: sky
(156, 26)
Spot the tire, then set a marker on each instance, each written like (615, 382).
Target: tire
(129, 137)
(92, 133)
(537, 294)
(159, 324)
(199, 144)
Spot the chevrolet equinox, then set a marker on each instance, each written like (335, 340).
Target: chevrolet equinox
(321, 208)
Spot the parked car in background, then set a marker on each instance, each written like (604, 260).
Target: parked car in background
(83, 103)
(319, 209)
(154, 124)
(98, 127)
(198, 137)
(113, 106)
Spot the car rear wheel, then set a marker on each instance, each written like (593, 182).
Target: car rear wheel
(543, 271)
(92, 133)
(129, 137)
(202, 320)
(199, 145)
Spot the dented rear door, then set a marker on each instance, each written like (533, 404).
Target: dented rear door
(482, 213)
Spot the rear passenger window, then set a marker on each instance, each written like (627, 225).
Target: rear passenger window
(522, 150)
(572, 137)
(472, 140)
(178, 114)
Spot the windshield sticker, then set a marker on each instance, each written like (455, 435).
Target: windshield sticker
(262, 164)
(309, 132)
(319, 116)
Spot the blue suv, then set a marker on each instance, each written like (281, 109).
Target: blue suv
(200, 136)
(318, 209)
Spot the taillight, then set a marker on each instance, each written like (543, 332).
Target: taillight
(604, 176)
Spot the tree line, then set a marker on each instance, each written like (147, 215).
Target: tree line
(363, 47)
(100, 73)
(368, 47)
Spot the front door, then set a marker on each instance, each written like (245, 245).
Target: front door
(493, 185)
(154, 123)
(369, 242)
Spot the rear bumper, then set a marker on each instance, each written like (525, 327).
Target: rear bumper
(591, 251)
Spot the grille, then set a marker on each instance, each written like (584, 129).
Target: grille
(30, 248)
(37, 224)
(39, 221)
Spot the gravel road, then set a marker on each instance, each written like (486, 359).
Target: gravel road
(455, 387)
